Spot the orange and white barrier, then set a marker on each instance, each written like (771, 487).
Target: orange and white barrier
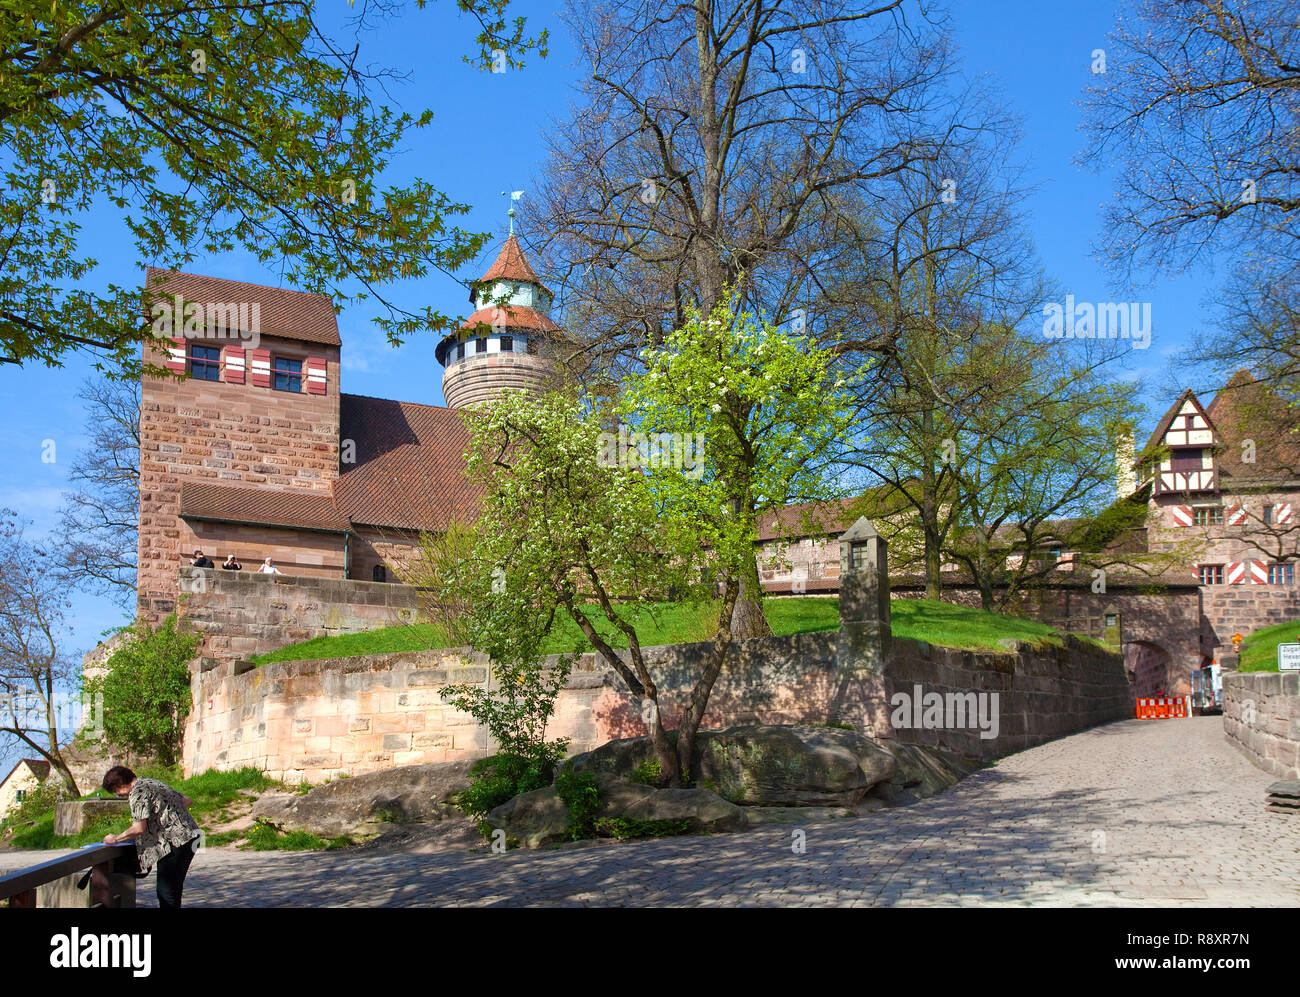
(1164, 708)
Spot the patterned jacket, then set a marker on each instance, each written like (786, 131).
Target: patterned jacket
(168, 825)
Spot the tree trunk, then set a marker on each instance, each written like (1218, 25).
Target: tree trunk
(699, 701)
(747, 620)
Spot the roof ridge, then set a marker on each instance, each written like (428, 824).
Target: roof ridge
(397, 401)
(232, 280)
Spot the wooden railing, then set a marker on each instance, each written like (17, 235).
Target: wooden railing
(107, 887)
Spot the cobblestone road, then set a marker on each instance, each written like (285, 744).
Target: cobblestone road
(1135, 813)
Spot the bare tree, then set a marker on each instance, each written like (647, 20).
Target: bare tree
(1199, 105)
(32, 603)
(710, 143)
(100, 518)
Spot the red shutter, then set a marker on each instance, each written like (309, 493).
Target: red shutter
(1181, 515)
(317, 375)
(233, 363)
(260, 368)
(176, 355)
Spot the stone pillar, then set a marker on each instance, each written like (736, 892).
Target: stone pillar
(864, 637)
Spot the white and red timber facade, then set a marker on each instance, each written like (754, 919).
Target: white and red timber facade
(258, 452)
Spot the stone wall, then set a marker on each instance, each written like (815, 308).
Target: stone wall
(242, 613)
(1159, 632)
(1041, 693)
(1243, 609)
(216, 431)
(1261, 718)
(318, 720)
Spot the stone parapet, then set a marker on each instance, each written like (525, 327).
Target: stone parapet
(1261, 719)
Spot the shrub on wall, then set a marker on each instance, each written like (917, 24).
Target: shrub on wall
(146, 689)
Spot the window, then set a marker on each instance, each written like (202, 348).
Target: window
(1281, 574)
(1268, 515)
(507, 344)
(860, 554)
(1211, 574)
(20, 795)
(380, 574)
(451, 354)
(1111, 620)
(480, 345)
(1208, 515)
(288, 374)
(205, 363)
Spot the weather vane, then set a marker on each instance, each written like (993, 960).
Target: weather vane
(514, 196)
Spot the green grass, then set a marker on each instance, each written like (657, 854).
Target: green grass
(934, 622)
(265, 838)
(1259, 650)
(212, 792)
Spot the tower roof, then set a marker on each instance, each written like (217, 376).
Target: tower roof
(511, 264)
(285, 313)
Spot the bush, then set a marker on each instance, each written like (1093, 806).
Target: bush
(648, 773)
(147, 690)
(581, 795)
(503, 777)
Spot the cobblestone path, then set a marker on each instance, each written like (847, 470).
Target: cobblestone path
(1135, 813)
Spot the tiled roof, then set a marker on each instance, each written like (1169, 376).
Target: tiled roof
(39, 766)
(830, 518)
(284, 313)
(1248, 409)
(510, 316)
(409, 470)
(511, 264)
(308, 510)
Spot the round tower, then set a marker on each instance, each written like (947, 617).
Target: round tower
(508, 342)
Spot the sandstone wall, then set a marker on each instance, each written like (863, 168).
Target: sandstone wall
(242, 434)
(1042, 693)
(1261, 718)
(1160, 633)
(318, 720)
(243, 613)
(1243, 609)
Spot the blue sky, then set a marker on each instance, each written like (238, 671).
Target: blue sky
(487, 137)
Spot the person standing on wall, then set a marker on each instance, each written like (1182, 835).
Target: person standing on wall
(165, 834)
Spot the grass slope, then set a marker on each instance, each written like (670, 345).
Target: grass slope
(935, 622)
(1259, 650)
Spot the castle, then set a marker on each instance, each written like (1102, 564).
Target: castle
(259, 453)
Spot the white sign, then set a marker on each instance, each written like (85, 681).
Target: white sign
(1288, 657)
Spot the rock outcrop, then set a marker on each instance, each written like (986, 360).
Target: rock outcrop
(774, 766)
(366, 804)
